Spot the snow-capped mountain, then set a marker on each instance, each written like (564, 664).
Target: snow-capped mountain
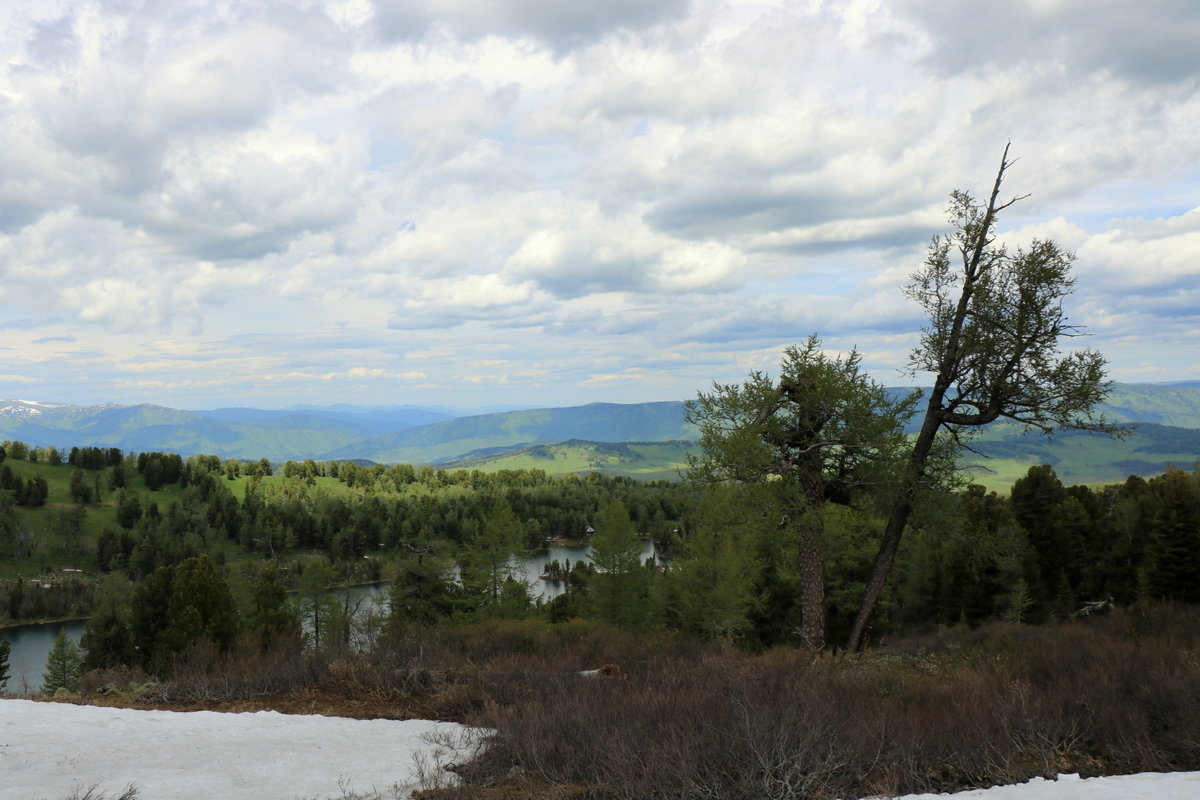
(27, 409)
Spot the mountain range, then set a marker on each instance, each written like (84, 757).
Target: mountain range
(646, 439)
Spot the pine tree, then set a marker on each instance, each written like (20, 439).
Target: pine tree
(823, 430)
(1019, 602)
(1174, 528)
(487, 563)
(271, 615)
(711, 589)
(63, 665)
(423, 594)
(619, 586)
(106, 640)
(316, 602)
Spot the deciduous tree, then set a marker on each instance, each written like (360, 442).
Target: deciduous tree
(994, 325)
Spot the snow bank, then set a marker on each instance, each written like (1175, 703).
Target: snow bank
(47, 750)
(1146, 786)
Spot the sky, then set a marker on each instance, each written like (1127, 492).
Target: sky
(51, 749)
(490, 203)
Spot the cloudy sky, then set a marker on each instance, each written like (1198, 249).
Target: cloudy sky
(533, 202)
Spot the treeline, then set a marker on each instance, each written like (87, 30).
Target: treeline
(135, 513)
(1053, 551)
(446, 539)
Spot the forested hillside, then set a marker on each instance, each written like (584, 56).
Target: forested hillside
(977, 555)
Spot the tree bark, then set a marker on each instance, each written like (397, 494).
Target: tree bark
(812, 583)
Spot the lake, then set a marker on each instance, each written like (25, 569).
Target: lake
(30, 646)
(31, 643)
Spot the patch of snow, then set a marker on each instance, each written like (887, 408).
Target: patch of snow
(25, 412)
(48, 750)
(1143, 786)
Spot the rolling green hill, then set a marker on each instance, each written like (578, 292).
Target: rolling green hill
(595, 422)
(1077, 457)
(645, 460)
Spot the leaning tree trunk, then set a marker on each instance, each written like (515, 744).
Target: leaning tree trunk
(949, 367)
(894, 531)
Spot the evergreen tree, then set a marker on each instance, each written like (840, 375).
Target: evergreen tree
(63, 665)
(201, 607)
(271, 615)
(1174, 528)
(81, 493)
(316, 602)
(175, 607)
(107, 640)
(619, 587)
(1019, 602)
(1035, 500)
(37, 490)
(487, 562)
(129, 509)
(710, 590)
(16, 599)
(149, 615)
(824, 431)
(423, 594)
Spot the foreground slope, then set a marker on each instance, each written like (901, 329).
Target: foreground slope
(53, 749)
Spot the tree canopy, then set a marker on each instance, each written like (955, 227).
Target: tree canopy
(994, 327)
(824, 429)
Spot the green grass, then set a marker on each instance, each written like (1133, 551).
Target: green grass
(1081, 458)
(646, 460)
(47, 523)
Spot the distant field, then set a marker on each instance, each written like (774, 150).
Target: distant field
(1082, 458)
(1007, 456)
(645, 460)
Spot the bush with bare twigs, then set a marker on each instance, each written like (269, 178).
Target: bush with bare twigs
(1111, 695)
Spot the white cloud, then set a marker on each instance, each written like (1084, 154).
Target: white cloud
(559, 25)
(304, 190)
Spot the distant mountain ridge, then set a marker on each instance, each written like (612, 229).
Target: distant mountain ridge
(599, 422)
(581, 434)
(244, 433)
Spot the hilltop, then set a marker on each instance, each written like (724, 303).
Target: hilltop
(639, 439)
